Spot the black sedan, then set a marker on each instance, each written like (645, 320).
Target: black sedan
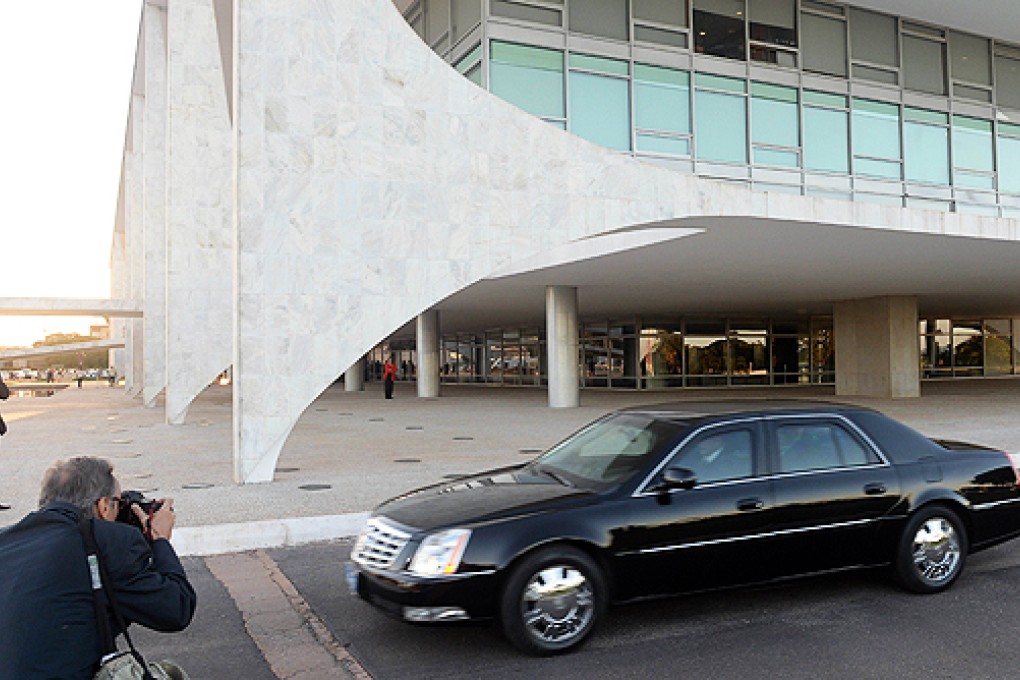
(672, 498)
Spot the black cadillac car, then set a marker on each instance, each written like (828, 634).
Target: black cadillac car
(672, 498)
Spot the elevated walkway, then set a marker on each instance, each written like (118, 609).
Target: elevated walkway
(70, 307)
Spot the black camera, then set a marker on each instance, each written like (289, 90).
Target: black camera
(126, 515)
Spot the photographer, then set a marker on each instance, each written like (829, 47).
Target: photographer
(48, 623)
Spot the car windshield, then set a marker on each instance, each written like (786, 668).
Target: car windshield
(607, 452)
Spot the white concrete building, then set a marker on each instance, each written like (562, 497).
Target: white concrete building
(640, 194)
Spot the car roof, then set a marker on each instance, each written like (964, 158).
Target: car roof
(702, 410)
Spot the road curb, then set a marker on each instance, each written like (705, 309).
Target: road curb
(218, 539)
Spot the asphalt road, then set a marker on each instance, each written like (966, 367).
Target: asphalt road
(850, 625)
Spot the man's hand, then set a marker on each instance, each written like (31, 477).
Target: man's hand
(161, 525)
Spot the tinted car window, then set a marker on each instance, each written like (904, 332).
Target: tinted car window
(718, 457)
(817, 446)
(608, 451)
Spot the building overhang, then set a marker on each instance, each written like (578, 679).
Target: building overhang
(747, 267)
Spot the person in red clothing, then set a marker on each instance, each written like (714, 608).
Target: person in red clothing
(389, 374)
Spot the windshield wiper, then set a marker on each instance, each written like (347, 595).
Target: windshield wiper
(558, 477)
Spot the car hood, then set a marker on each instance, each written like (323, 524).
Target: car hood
(496, 494)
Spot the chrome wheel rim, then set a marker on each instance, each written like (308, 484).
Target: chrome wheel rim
(936, 550)
(557, 604)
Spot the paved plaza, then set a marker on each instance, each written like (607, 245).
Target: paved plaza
(351, 451)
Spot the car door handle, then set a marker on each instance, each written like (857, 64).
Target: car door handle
(746, 504)
(874, 489)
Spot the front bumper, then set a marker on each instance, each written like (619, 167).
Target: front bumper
(416, 599)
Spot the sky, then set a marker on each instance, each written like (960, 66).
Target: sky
(65, 75)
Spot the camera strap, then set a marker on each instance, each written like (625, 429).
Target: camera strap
(99, 582)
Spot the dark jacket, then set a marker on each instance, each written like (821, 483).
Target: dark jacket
(47, 616)
(4, 393)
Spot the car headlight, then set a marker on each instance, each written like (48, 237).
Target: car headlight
(440, 552)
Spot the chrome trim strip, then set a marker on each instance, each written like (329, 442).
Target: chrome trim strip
(738, 539)
(419, 578)
(993, 504)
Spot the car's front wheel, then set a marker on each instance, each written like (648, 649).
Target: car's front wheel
(551, 600)
(932, 550)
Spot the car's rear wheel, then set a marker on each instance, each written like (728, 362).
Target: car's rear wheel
(932, 550)
(551, 600)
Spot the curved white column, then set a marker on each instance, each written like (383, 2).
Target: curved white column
(370, 185)
(200, 208)
(427, 344)
(561, 346)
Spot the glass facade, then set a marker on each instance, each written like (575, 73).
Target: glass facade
(669, 106)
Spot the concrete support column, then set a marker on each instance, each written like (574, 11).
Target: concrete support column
(428, 354)
(354, 377)
(561, 343)
(877, 353)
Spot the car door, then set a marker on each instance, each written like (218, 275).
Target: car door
(832, 488)
(686, 538)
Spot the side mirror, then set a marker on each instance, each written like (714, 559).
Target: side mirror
(678, 478)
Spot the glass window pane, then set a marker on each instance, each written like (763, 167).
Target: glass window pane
(836, 101)
(538, 15)
(876, 74)
(773, 21)
(720, 83)
(671, 12)
(529, 77)
(659, 36)
(1009, 164)
(926, 157)
(825, 140)
(437, 23)
(972, 144)
(924, 65)
(823, 44)
(876, 129)
(672, 146)
(788, 159)
(605, 18)
(719, 28)
(1007, 82)
(969, 58)
(873, 37)
(774, 115)
(600, 109)
(466, 15)
(599, 64)
(878, 168)
(720, 127)
(662, 99)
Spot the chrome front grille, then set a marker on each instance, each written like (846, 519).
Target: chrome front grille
(379, 544)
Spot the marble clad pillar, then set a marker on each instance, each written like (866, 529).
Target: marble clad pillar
(154, 163)
(134, 239)
(562, 339)
(427, 344)
(877, 352)
(200, 208)
(354, 377)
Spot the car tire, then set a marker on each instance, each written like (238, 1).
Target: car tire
(552, 600)
(932, 550)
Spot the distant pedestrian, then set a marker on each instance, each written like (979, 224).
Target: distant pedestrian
(389, 374)
(4, 393)
(80, 378)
